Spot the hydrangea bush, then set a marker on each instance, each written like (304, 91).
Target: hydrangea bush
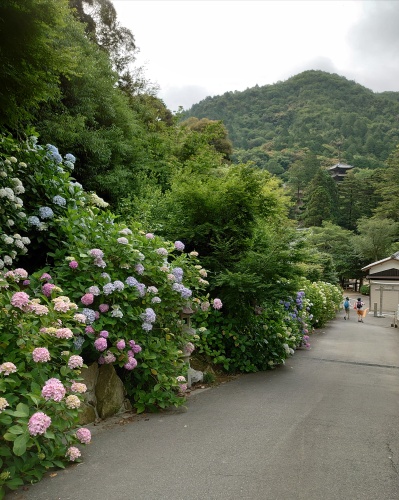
(131, 288)
(267, 340)
(324, 301)
(40, 388)
(36, 187)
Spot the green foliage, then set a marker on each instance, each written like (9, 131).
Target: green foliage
(34, 56)
(27, 324)
(337, 242)
(375, 239)
(365, 289)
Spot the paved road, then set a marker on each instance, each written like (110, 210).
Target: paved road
(323, 427)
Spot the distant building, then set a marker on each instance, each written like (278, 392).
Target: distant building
(383, 276)
(339, 171)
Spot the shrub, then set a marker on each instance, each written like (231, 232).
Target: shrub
(272, 334)
(365, 289)
(40, 392)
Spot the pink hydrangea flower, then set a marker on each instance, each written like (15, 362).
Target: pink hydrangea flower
(26, 282)
(72, 402)
(162, 251)
(45, 277)
(75, 362)
(38, 423)
(39, 309)
(100, 344)
(78, 387)
(64, 333)
(8, 368)
(136, 348)
(41, 355)
(217, 304)
(84, 435)
(89, 329)
(87, 299)
(109, 358)
(20, 299)
(3, 404)
(53, 389)
(47, 288)
(131, 364)
(96, 314)
(81, 318)
(180, 378)
(73, 453)
(21, 273)
(104, 334)
(103, 308)
(121, 344)
(183, 387)
(205, 306)
(149, 236)
(179, 246)
(123, 240)
(97, 253)
(73, 264)
(61, 305)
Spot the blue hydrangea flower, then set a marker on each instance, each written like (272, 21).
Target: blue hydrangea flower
(34, 221)
(131, 281)
(70, 157)
(90, 315)
(178, 274)
(78, 342)
(118, 285)
(59, 200)
(149, 315)
(108, 288)
(46, 213)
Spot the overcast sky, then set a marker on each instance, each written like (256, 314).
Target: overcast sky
(198, 48)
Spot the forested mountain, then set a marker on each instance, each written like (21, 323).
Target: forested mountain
(318, 112)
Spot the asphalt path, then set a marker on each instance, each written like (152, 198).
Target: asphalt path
(325, 426)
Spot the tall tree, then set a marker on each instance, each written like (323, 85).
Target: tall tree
(320, 200)
(358, 196)
(376, 238)
(388, 188)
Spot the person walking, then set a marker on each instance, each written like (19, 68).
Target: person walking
(347, 306)
(359, 308)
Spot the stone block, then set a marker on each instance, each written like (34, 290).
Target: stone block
(110, 393)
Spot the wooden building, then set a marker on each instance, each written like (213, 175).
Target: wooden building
(383, 277)
(339, 170)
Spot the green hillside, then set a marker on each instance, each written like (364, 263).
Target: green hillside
(326, 114)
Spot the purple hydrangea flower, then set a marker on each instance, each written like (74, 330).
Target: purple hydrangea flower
(179, 246)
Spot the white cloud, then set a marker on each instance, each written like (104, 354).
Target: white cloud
(197, 48)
